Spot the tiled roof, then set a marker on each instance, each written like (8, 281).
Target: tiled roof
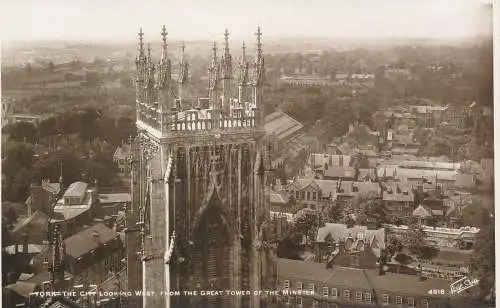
(53, 188)
(281, 125)
(76, 189)
(367, 174)
(342, 232)
(334, 160)
(422, 211)
(359, 278)
(22, 288)
(114, 198)
(37, 222)
(64, 213)
(122, 152)
(84, 241)
(398, 192)
(340, 172)
(363, 188)
(278, 197)
(326, 186)
(60, 302)
(419, 164)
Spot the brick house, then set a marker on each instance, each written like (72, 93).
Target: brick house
(306, 284)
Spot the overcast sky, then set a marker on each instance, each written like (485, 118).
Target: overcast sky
(206, 19)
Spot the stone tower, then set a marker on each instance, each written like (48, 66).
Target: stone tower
(199, 180)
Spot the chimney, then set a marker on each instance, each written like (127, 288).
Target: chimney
(25, 243)
(341, 247)
(95, 236)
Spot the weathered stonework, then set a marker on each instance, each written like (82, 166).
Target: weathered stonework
(200, 183)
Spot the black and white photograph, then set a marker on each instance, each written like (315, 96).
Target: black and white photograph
(248, 154)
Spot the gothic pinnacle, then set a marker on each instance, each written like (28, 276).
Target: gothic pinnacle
(214, 51)
(259, 43)
(226, 40)
(141, 43)
(149, 52)
(164, 34)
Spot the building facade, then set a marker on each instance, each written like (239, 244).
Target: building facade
(199, 182)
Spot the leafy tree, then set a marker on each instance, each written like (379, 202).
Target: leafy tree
(307, 223)
(483, 262)
(21, 131)
(415, 241)
(17, 157)
(19, 188)
(10, 217)
(333, 213)
(289, 248)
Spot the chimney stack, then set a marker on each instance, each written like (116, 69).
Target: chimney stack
(95, 236)
(25, 243)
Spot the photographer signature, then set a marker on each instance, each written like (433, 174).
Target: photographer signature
(462, 284)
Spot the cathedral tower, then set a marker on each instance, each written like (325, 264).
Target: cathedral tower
(199, 181)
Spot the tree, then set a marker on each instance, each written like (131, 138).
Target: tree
(17, 156)
(483, 262)
(21, 131)
(415, 241)
(333, 213)
(10, 217)
(307, 223)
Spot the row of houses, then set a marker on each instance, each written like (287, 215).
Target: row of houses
(70, 239)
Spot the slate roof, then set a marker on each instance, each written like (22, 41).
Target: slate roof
(391, 193)
(60, 302)
(280, 125)
(22, 288)
(359, 278)
(422, 211)
(342, 232)
(334, 159)
(394, 171)
(67, 212)
(326, 186)
(84, 241)
(37, 223)
(340, 172)
(122, 152)
(363, 188)
(278, 197)
(76, 189)
(114, 198)
(367, 174)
